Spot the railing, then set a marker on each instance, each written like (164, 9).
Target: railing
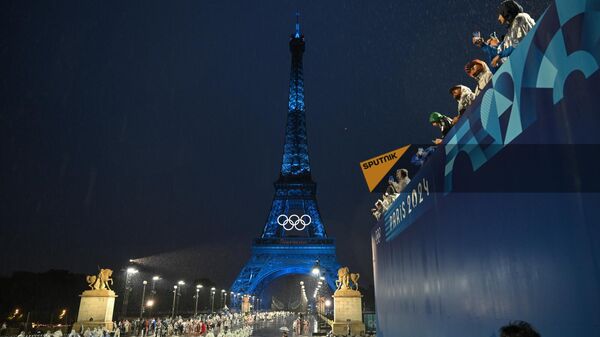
(294, 241)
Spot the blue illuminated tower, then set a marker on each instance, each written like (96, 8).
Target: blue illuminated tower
(282, 248)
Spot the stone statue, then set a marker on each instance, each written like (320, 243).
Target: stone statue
(345, 277)
(354, 278)
(101, 281)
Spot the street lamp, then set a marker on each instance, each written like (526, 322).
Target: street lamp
(179, 288)
(155, 279)
(212, 299)
(316, 269)
(63, 315)
(223, 297)
(129, 272)
(174, 298)
(198, 287)
(143, 298)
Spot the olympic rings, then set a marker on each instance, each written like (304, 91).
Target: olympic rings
(294, 221)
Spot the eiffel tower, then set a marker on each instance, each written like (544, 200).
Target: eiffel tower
(294, 240)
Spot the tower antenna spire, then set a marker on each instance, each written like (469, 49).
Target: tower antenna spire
(298, 34)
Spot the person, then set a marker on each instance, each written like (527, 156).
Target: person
(403, 179)
(419, 158)
(489, 48)
(444, 123)
(464, 97)
(388, 200)
(378, 210)
(518, 329)
(480, 72)
(519, 23)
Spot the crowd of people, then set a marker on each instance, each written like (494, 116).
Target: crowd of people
(395, 186)
(301, 325)
(224, 324)
(496, 52)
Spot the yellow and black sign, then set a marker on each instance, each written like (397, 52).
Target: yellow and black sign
(377, 168)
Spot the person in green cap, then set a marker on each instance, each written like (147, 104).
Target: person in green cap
(442, 122)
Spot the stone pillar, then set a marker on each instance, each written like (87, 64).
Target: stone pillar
(96, 309)
(347, 312)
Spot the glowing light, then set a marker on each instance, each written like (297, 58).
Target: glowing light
(327, 303)
(131, 270)
(155, 278)
(199, 286)
(181, 283)
(150, 303)
(316, 271)
(145, 282)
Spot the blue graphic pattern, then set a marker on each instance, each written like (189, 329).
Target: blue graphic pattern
(538, 63)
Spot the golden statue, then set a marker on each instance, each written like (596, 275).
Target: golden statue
(342, 281)
(344, 278)
(101, 281)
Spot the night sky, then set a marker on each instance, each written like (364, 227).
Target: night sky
(134, 128)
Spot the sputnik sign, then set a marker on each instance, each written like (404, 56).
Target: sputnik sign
(294, 221)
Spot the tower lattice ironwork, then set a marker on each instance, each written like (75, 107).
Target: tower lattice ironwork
(293, 238)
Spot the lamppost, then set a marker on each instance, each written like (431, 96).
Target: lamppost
(212, 300)
(180, 284)
(174, 298)
(316, 269)
(198, 287)
(155, 279)
(327, 305)
(63, 315)
(129, 272)
(149, 304)
(224, 297)
(143, 298)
